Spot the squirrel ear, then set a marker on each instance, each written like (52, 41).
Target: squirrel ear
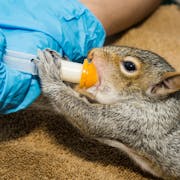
(169, 84)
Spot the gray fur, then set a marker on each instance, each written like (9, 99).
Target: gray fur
(148, 127)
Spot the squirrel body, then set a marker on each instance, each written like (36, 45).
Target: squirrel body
(135, 106)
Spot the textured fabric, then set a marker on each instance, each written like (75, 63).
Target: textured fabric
(65, 26)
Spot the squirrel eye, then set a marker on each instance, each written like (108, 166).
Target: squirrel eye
(130, 66)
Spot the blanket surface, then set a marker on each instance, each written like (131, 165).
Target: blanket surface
(42, 145)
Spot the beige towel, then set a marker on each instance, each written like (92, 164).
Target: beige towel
(40, 145)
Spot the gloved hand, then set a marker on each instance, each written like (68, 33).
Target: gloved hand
(25, 26)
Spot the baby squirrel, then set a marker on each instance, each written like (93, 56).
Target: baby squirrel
(135, 106)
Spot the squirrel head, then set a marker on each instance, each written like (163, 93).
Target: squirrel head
(126, 72)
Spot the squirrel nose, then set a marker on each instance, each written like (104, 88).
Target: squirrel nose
(96, 52)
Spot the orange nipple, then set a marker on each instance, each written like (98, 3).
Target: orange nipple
(89, 75)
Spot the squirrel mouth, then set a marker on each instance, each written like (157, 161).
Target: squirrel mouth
(99, 73)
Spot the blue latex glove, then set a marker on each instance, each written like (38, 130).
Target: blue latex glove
(25, 26)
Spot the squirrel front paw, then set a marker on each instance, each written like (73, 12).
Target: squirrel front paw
(49, 66)
(49, 69)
